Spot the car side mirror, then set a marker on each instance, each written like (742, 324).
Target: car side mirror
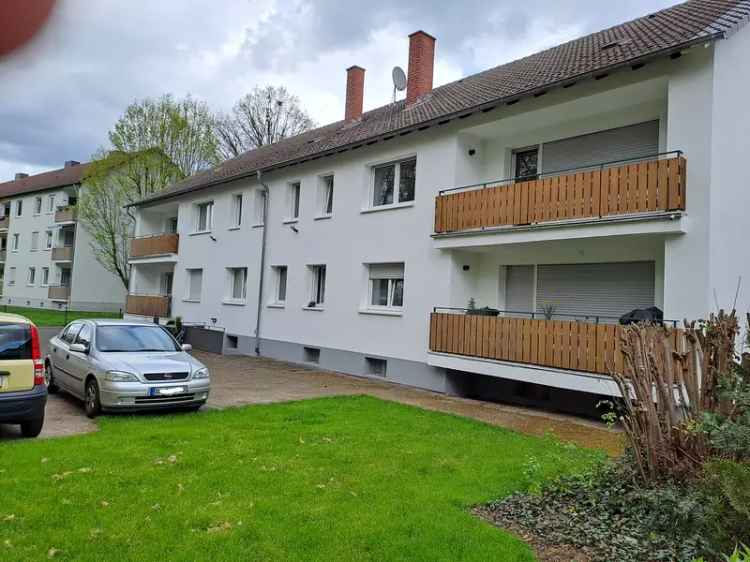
(187, 347)
(79, 348)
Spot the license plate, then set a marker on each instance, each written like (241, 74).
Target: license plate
(167, 390)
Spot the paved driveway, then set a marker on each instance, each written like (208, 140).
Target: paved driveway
(237, 381)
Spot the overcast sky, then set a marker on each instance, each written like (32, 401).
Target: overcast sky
(60, 96)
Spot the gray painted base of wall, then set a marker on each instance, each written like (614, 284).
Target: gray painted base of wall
(411, 373)
(81, 306)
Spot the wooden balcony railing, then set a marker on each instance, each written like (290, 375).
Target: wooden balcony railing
(655, 184)
(63, 253)
(148, 305)
(4, 222)
(154, 245)
(66, 214)
(562, 344)
(58, 293)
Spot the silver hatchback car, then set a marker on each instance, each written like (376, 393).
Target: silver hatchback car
(121, 365)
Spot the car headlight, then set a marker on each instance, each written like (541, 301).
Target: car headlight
(120, 376)
(201, 373)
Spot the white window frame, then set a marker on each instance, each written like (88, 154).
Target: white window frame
(49, 240)
(190, 272)
(31, 279)
(231, 297)
(392, 283)
(11, 276)
(209, 223)
(261, 202)
(396, 181)
(50, 204)
(16, 242)
(294, 201)
(237, 210)
(38, 206)
(45, 276)
(316, 273)
(35, 241)
(324, 197)
(19, 207)
(277, 273)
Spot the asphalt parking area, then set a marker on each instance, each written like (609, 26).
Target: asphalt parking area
(239, 380)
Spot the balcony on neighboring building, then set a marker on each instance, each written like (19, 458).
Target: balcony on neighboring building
(66, 214)
(653, 186)
(58, 292)
(3, 255)
(62, 253)
(148, 305)
(4, 222)
(162, 244)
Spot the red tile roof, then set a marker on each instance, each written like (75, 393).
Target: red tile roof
(657, 34)
(47, 180)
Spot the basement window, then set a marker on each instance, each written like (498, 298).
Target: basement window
(376, 366)
(311, 355)
(232, 342)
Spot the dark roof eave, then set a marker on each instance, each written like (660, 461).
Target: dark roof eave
(441, 120)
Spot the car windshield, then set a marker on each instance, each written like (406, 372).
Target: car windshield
(134, 338)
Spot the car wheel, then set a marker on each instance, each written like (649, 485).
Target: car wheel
(92, 403)
(32, 428)
(49, 376)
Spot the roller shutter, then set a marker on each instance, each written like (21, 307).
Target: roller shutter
(596, 289)
(633, 141)
(519, 288)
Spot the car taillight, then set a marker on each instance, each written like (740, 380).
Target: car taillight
(36, 357)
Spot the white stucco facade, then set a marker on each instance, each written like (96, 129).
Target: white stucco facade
(697, 255)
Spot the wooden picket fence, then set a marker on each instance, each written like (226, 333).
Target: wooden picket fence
(651, 185)
(563, 344)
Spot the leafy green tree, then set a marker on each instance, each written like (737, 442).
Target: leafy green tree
(154, 144)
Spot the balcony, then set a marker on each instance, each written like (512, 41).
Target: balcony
(154, 245)
(4, 222)
(3, 255)
(58, 293)
(62, 253)
(65, 214)
(579, 345)
(148, 305)
(652, 185)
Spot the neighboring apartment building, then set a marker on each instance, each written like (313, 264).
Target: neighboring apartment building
(625, 189)
(47, 261)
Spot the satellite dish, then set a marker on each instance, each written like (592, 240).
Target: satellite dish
(399, 78)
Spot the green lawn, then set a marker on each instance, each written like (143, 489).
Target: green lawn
(50, 317)
(351, 478)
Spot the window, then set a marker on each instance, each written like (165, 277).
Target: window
(32, 275)
(376, 366)
(260, 207)
(84, 336)
(69, 334)
(318, 287)
(12, 276)
(326, 195)
(205, 216)
(387, 176)
(386, 285)
(19, 207)
(194, 284)
(34, 241)
(237, 209)
(16, 242)
(69, 237)
(526, 164)
(65, 277)
(171, 225)
(45, 276)
(280, 273)
(38, 206)
(49, 240)
(311, 354)
(237, 283)
(50, 203)
(294, 194)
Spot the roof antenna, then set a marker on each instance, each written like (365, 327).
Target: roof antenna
(399, 80)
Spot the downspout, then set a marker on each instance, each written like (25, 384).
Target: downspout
(262, 263)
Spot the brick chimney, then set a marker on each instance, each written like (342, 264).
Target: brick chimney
(421, 64)
(71, 163)
(355, 92)
(21, 175)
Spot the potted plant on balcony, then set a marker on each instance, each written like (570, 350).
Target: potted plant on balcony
(472, 309)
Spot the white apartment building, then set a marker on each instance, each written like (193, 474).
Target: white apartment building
(46, 258)
(563, 190)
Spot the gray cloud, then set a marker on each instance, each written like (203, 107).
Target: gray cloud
(61, 96)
